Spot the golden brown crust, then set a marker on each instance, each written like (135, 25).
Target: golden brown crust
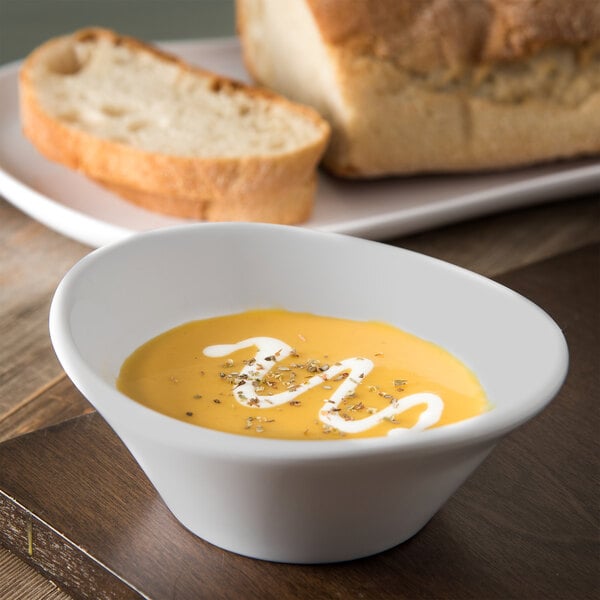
(426, 34)
(293, 207)
(462, 135)
(256, 187)
(414, 86)
(517, 115)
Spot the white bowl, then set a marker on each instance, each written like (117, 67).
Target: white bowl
(300, 501)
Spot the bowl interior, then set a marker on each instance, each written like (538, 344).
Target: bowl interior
(120, 296)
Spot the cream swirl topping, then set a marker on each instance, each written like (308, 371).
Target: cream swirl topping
(272, 350)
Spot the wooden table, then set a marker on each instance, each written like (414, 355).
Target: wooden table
(525, 525)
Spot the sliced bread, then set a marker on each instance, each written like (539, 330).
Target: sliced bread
(167, 136)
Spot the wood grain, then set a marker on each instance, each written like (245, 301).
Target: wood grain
(33, 390)
(59, 402)
(21, 583)
(524, 526)
(508, 241)
(32, 261)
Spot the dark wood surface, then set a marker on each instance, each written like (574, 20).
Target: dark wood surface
(524, 526)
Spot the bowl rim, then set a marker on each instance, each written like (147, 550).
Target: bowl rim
(126, 415)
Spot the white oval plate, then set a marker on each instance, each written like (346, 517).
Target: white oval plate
(69, 203)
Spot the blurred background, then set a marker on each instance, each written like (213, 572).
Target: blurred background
(24, 24)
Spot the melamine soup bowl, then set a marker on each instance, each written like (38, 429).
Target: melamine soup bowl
(290, 500)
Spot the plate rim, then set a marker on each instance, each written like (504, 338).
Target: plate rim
(572, 177)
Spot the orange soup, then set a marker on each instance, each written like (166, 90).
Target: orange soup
(278, 374)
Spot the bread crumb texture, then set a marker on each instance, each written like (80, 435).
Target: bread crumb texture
(117, 92)
(168, 136)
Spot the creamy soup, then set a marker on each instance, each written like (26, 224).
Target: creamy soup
(279, 374)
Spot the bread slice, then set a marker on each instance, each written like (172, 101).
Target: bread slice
(434, 85)
(167, 136)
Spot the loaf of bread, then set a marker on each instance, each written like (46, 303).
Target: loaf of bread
(414, 86)
(167, 136)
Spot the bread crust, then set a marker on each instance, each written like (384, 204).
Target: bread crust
(398, 126)
(419, 86)
(430, 34)
(253, 187)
